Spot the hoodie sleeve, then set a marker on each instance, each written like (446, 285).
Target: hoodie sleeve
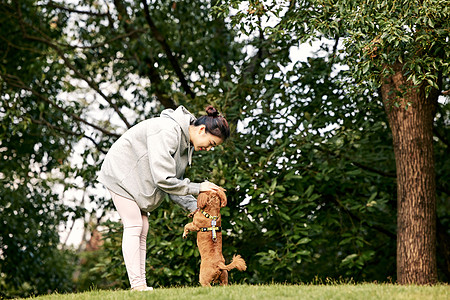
(187, 202)
(161, 147)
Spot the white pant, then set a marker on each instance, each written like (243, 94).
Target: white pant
(135, 229)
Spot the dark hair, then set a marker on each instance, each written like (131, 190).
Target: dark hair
(214, 123)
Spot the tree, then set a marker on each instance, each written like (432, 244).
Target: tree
(31, 210)
(401, 50)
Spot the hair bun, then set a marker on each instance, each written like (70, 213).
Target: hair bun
(212, 112)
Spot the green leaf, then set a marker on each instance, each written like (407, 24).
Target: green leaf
(304, 241)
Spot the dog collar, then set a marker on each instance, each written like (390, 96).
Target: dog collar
(209, 216)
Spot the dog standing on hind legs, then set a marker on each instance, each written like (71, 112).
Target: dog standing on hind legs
(207, 223)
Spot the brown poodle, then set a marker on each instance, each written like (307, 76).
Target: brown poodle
(207, 222)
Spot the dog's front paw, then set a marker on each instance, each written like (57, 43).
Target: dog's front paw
(185, 233)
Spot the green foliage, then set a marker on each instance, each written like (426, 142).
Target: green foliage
(31, 212)
(375, 36)
(312, 212)
(352, 165)
(90, 274)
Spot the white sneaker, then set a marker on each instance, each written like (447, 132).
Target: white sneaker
(142, 288)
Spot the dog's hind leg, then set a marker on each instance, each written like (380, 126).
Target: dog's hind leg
(206, 278)
(224, 277)
(208, 274)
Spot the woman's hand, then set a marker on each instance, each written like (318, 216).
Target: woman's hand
(209, 186)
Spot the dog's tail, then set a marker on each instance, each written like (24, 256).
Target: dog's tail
(238, 262)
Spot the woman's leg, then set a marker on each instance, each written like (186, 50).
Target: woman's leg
(135, 228)
(143, 243)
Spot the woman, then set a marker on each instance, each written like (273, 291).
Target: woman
(147, 162)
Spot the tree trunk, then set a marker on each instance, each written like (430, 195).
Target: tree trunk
(410, 114)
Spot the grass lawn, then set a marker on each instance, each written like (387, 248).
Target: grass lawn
(272, 292)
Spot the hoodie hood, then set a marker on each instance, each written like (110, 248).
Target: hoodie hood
(184, 118)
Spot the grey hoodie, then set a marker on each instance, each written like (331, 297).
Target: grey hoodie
(149, 160)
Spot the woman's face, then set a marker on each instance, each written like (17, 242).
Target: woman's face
(203, 140)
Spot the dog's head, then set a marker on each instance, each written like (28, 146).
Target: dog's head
(211, 199)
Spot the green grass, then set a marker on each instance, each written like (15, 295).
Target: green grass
(272, 292)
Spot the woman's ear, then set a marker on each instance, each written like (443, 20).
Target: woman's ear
(201, 200)
(201, 129)
(223, 199)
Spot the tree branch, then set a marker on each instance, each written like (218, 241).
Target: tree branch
(52, 127)
(93, 85)
(72, 10)
(128, 34)
(370, 169)
(251, 69)
(376, 227)
(152, 73)
(46, 40)
(358, 164)
(156, 80)
(10, 44)
(162, 41)
(18, 83)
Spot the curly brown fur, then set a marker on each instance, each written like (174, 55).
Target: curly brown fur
(212, 267)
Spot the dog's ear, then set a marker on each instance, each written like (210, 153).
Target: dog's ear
(223, 199)
(201, 200)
